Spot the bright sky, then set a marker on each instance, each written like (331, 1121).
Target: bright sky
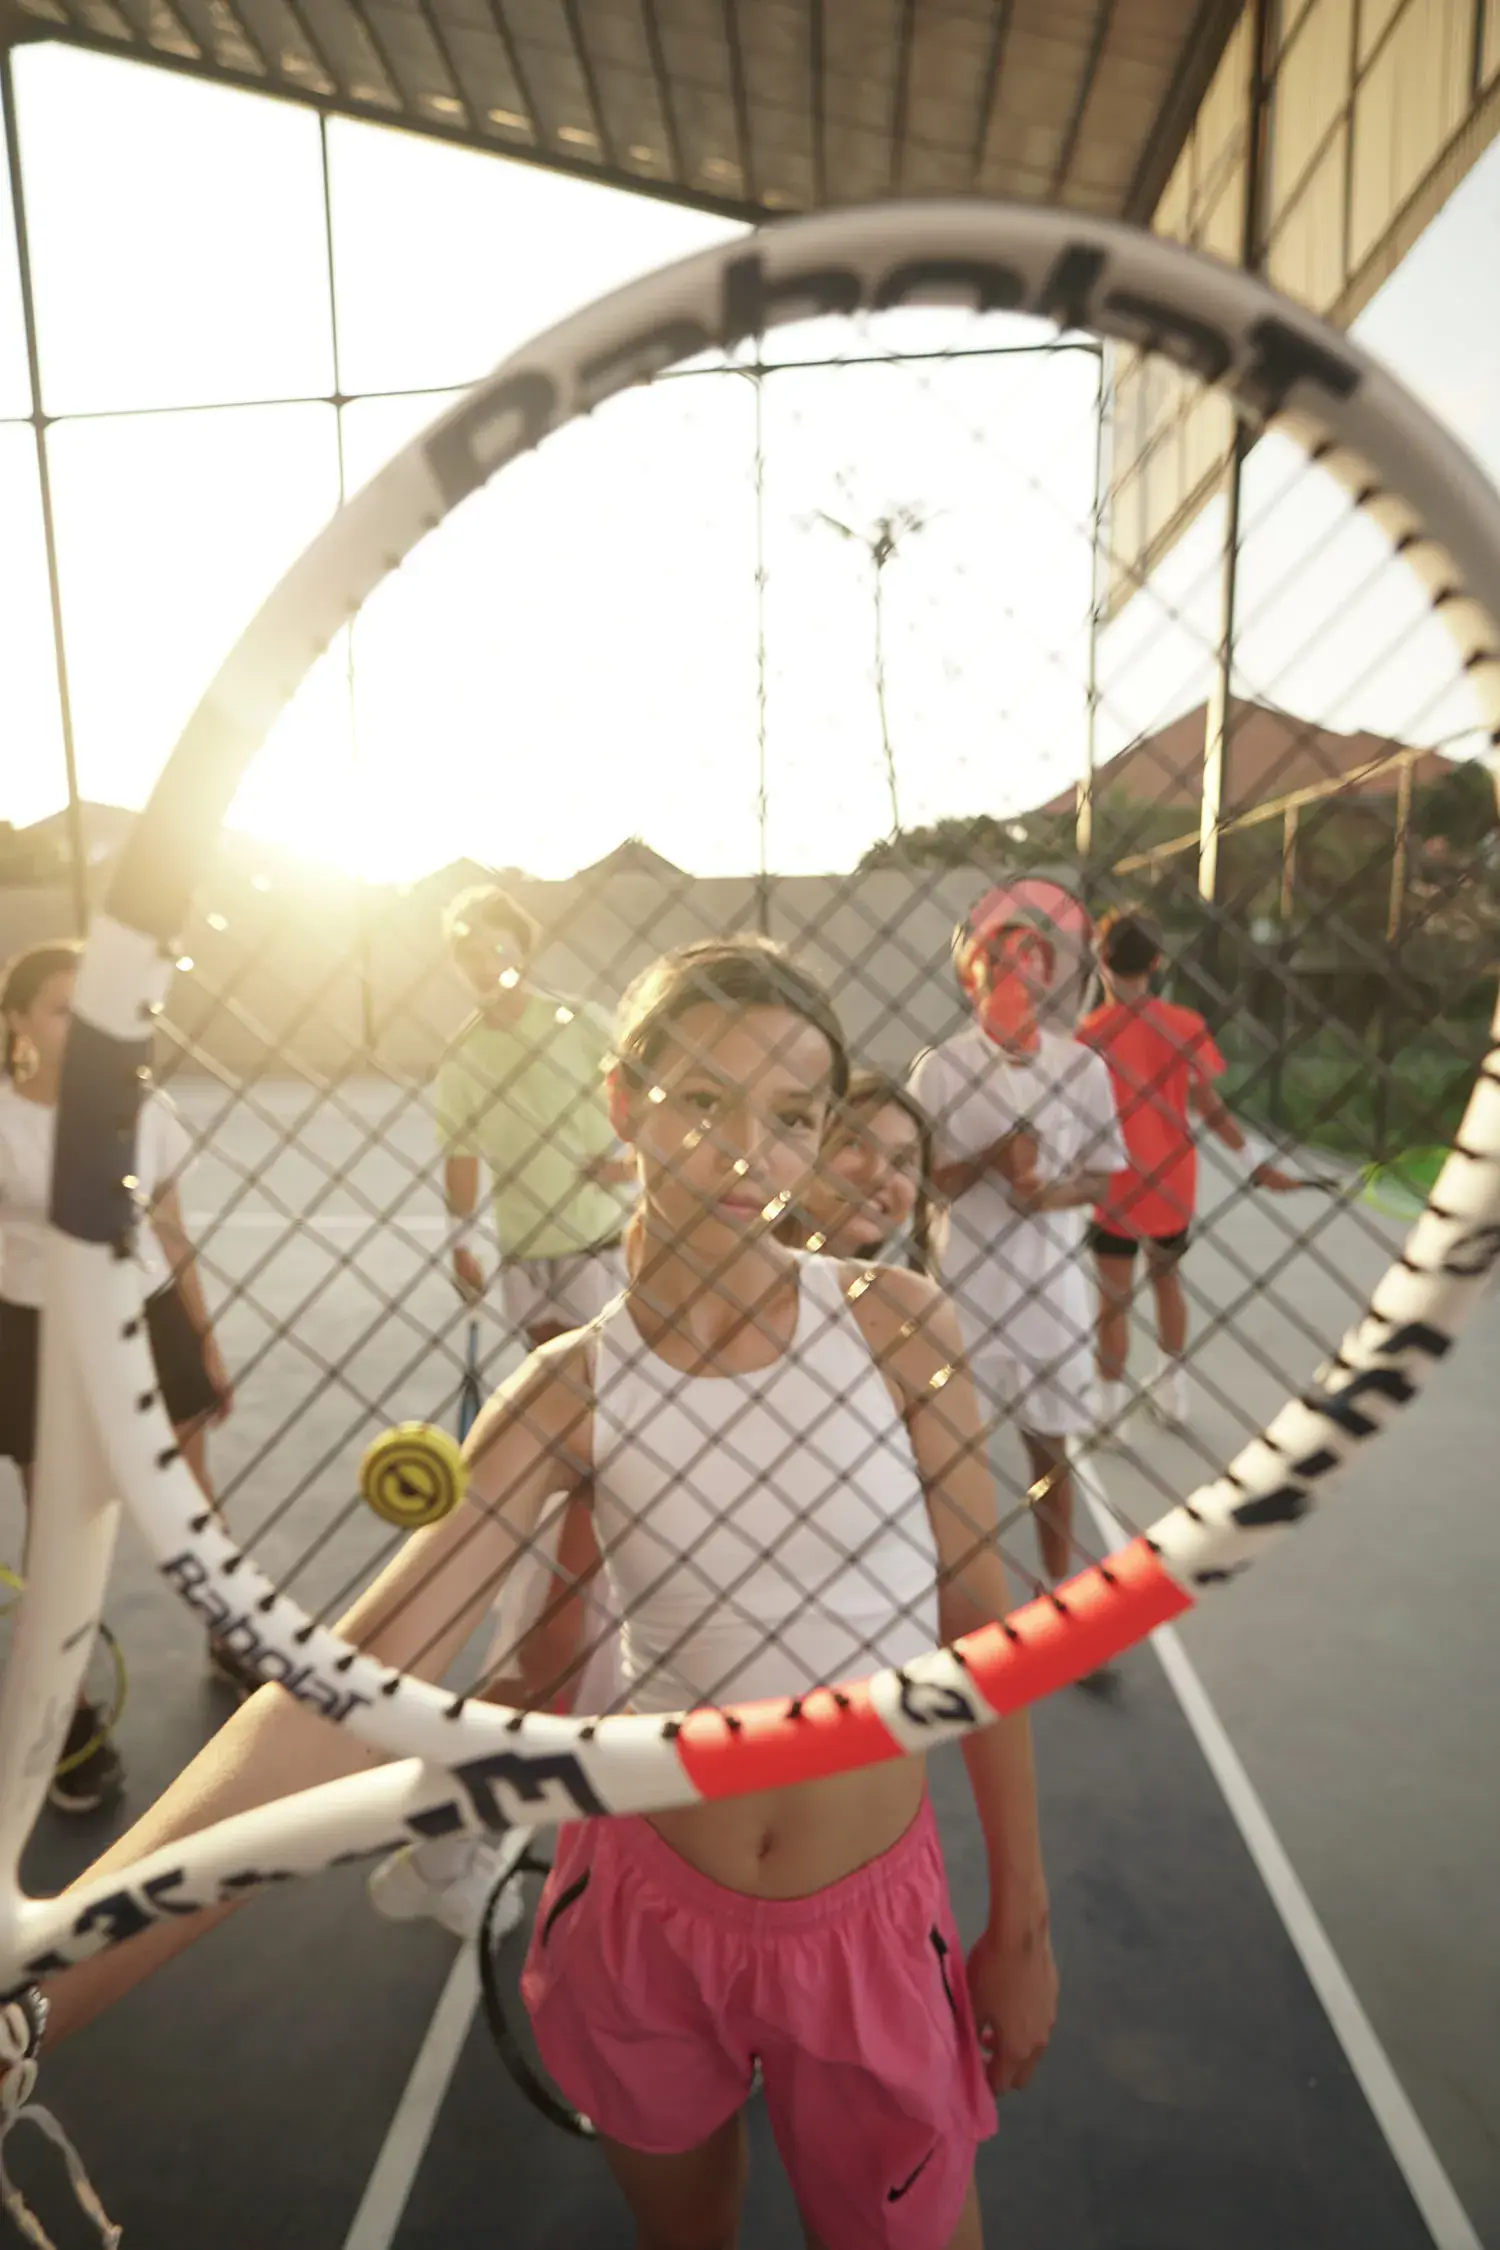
(574, 656)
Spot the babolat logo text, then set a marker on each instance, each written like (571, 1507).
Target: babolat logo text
(513, 1788)
(1261, 361)
(927, 1703)
(240, 1635)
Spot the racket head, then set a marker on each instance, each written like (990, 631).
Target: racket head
(1402, 1186)
(521, 1869)
(1268, 361)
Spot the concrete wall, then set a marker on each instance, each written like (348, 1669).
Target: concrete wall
(286, 985)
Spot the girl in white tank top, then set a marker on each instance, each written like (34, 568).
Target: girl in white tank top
(744, 1560)
(788, 1468)
(871, 1197)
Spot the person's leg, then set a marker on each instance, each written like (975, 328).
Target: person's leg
(1116, 1287)
(89, 1772)
(689, 2201)
(1168, 1390)
(1051, 1500)
(1116, 1274)
(1171, 1304)
(969, 2233)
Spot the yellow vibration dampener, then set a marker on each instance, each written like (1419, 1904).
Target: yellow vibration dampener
(413, 1475)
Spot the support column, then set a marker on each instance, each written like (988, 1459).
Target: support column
(762, 782)
(367, 1025)
(1218, 726)
(1083, 829)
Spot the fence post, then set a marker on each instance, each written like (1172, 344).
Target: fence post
(762, 798)
(77, 842)
(1083, 828)
(1219, 714)
(1387, 1006)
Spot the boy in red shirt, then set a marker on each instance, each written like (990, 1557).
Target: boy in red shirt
(1163, 1061)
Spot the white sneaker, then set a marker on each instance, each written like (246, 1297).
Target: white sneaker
(449, 1879)
(1167, 1395)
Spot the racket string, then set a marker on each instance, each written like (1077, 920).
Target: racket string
(330, 1369)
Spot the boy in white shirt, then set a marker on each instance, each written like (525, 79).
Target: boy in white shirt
(1027, 1138)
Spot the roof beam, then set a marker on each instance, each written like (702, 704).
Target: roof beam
(1198, 58)
(342, 104)
(901, 93)
(1000, 24)
(661, 79)
(517, 69)
(379, 50)
(739, 96)
(439, 37)
(1104, 16)
(590, 83)
(817, 118)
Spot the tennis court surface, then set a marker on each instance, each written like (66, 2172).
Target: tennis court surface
(317, 2078)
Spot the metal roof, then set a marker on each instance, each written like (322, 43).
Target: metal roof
(748, 107)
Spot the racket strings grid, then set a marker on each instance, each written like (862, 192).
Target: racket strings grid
(330, 1103)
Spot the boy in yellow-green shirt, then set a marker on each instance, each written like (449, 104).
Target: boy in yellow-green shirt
(522, 1090)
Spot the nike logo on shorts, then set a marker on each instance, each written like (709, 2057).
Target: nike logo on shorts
(894, 2195)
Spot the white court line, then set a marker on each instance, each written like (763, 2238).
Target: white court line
(1447, 2222)
(1432, 2191)
(384, 2200)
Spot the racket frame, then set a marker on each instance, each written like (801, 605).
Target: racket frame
(102, 1428)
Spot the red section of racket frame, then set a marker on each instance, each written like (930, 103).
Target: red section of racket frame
(1047, 1644)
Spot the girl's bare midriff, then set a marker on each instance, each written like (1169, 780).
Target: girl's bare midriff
(786, 1843)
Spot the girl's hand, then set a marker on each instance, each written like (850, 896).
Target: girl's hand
(218, 1376)
(609, 1171)
(1029, 1195)
(1013, 1989)
(469, 1274)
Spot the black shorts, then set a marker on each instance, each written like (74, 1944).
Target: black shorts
(176, 1347)
(1107, 1245)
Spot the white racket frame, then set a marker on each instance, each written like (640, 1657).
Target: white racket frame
(102, 1432)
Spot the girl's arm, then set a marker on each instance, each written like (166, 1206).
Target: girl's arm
(954, 1180)
(1068, 1193)
(1205, 1101)
(461, 1196)
(171, 1232)
(1228, 1129)
(914, 1335)
(533, 1436)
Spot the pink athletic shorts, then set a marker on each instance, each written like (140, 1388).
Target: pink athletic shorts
(652, 1991)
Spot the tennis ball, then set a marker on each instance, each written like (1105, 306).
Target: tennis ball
(413, 1475)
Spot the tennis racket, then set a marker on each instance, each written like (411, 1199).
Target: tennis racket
(1399, 1188)
(902, 298)
(501, 1951)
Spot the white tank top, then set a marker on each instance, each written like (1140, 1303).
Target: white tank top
(765, 1532)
